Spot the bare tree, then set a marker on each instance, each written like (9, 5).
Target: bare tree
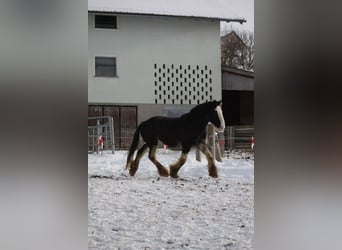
(231, 49)
(247, 56)
(237, 50)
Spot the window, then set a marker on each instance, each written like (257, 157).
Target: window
(105, 22)
(105, 67)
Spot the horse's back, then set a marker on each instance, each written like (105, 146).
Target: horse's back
(165, 129)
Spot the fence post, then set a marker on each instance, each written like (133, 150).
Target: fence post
(218, 146)
(88, 140)
(231, 136)
(98, 134)
(211, 138)
(218, 155)
(198, 155)
(111, 128)
(93, 135)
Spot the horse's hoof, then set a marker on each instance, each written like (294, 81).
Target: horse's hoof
(174, 175)
(164, 173)
(132, 171)
(128, 166)
(213, 174)
(173, 172)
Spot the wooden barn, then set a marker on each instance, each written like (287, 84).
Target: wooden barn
(156, 57)
(238, 96)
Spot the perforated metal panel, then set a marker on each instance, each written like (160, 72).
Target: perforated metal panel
(182, 84)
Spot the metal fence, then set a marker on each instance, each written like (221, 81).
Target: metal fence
(233, 137)
(100, 126)
(238, 137)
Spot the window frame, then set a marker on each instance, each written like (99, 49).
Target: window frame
(116, 66)
(103, 27)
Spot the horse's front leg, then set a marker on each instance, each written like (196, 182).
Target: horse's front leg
(133, 167)
(211, 163)
(152, 156)
(174, 168)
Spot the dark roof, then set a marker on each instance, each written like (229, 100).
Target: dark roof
(238, 71)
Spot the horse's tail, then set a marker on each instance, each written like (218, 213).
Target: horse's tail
(133, 147)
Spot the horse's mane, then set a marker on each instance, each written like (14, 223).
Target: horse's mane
(202, 107)
(199, 109)
(199, 106)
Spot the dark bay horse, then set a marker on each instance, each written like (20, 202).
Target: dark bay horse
(189, 131)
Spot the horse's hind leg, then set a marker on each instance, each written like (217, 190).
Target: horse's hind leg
(152, 156)
(174, 168)
(135, 164)
(211, 164)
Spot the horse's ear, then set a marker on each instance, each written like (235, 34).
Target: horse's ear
(217, 103)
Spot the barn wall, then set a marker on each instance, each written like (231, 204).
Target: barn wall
(238, 107)
(160, 60)
(238, 96)
(237, 82)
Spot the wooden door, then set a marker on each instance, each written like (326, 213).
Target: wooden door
(128, 124)
(114, 111)
(94, 110)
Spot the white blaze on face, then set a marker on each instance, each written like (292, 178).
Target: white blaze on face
(220, 115)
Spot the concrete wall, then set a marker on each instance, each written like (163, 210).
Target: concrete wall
(160, 60)
(145, 111)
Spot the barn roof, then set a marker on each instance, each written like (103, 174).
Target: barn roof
(211, 9)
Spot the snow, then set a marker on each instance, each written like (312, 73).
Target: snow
(217, 9)
(194, 211)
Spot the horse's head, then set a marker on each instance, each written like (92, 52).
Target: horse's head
(215, 115)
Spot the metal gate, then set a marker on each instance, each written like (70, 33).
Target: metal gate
(238, 137)
(104, 127)
(125, 122)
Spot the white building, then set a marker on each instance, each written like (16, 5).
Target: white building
(153, 57)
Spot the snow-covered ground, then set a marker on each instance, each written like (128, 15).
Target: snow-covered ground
(194, 211)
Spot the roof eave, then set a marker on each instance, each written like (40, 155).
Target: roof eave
(242, 72)
(241, 21)
(169, 15)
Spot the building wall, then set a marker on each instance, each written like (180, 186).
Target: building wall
(160, 60)
(238, 96)
(237, 82)
(145, 111)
